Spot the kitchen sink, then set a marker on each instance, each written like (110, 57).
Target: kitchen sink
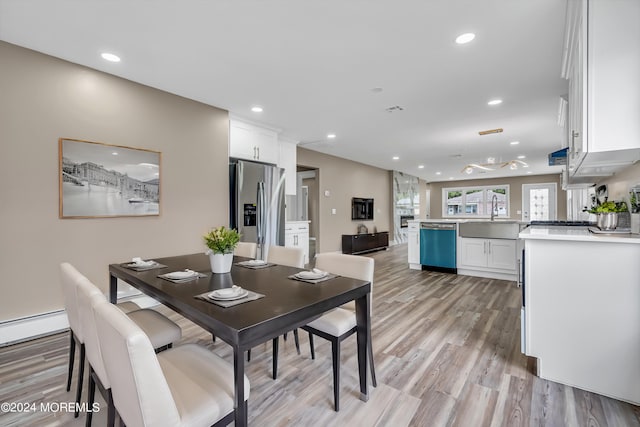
(502, 229)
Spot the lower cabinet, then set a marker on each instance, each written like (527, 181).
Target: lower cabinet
(497, 255)
(296, 234)
(413, 240)
(360, 243)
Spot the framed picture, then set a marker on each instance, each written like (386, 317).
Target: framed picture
(99, 180)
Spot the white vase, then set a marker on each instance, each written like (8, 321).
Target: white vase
(221, 263)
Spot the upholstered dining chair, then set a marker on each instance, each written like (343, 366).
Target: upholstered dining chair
(183, 386)
(291, 257)
(162, 331)
(340, 323)
(246, 249)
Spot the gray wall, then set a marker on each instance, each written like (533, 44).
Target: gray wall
(345, 179)
(43, 99)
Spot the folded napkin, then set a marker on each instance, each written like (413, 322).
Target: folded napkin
(254, 264)
(182, 276)
(313, 279)
(251, 296)
(138, 264)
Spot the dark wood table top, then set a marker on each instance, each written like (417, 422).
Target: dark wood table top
(287, 303)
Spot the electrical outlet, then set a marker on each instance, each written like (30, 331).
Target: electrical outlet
(333, 211)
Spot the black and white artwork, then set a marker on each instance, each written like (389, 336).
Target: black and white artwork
(102, 180)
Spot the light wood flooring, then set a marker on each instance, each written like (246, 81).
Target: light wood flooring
(447, 352)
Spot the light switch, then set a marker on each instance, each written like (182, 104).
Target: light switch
(333, 211)
(519, 212)
(327, 193)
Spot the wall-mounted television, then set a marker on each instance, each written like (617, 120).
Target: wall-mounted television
(361, 209)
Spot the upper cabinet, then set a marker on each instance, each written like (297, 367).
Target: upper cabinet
(253, 142)
(250, 142)
(602, 64)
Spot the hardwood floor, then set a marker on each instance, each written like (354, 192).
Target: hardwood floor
(447, 351)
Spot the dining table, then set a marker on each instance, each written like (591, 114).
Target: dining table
(287, 304)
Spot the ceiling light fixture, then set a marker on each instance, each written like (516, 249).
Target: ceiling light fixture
(110, 57)
(492, 166)
(420, 166)
(495, 102)
(514, 142)
(257, 109)
(490, 131)
(396, 158)
(331, 135)
(465, 38)
(522, 157)
(438, 173)
(115, 153)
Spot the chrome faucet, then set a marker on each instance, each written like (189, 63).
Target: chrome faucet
(494, 207)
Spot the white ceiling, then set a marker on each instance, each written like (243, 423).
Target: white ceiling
(313, 64)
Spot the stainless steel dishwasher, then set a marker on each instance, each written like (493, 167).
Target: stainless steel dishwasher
(438, 246)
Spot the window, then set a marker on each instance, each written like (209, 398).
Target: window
(475, 201)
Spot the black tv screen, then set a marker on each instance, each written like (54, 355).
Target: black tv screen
(361, 209)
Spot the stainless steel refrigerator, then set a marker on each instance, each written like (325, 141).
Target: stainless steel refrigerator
(257, 203)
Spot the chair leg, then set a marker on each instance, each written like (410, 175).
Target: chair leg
(111, 410)
(373, 369)
(80, 378)
(313, 352)
(335, 350)
(284, 336)
(213, 338)
(296, 339)
(275, 357)
(91, 393)
(249, 355)
(72, 357)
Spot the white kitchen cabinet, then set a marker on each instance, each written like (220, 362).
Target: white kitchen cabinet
(296, 234)
(582, 309)
(287, 161)
(495, 258)
(601, 64)
(251, 142)
(413, 240)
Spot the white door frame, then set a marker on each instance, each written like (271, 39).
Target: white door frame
(553, 192)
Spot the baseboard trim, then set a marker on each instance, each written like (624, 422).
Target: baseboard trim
(28, 328)
(31, 327)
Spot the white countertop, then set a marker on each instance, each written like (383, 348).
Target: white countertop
(576, 234)
(297, 222)
(461, 220)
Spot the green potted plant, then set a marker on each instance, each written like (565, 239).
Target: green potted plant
(607, 214)
(221, 242)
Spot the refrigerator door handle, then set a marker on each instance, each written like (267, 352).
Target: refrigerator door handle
(260, 223)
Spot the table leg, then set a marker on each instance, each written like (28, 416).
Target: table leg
(113, 289)
(238, 379)
(363, 322)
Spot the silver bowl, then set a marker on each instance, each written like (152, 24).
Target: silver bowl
(607, 221)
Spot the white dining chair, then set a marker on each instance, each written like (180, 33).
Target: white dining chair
(246, 249)
(291, 257)
(162, 331)
(184, 386)
(340, 323)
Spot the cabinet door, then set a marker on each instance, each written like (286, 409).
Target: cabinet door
(266, 142)
(241, 142)
(413, 246)
(502, 254)
(473, 252)
(289, 239)
(303, 242)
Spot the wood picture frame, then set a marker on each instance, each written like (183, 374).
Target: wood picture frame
(98, 180)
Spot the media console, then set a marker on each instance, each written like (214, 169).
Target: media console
(366, 242)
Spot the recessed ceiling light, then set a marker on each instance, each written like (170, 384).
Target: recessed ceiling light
(514, 142)
(115, 153)
(438, 173)
(450, 177)
(396, 158)
(522, 157)
(465, 38)
(110, 57)
(495, 102)
(420, 166)
(256, 109)
(529, 172)
(331, 135)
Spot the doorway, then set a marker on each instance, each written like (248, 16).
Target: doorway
(539, 202)
(308, 199)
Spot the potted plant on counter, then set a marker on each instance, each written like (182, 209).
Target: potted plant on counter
(607, 214)
(221, 242)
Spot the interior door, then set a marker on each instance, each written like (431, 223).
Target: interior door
(539, 202)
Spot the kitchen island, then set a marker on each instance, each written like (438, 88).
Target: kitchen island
(581, 308)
